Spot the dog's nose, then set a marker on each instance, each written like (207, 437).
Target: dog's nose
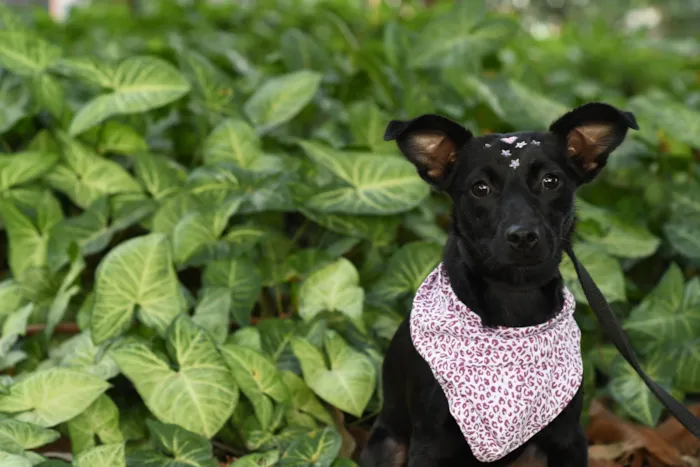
(522, 237)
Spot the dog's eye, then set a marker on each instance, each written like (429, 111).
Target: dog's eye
(550, 182)
(481, 189)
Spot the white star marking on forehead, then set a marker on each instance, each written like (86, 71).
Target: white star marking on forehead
(505, 153)
(521, 144)
(514, 163)
(509, 140)
(535, 142)
(487, 145)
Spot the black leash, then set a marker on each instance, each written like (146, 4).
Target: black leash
(614, 332)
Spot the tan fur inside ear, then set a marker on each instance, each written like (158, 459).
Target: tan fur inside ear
(435, 151)
(588, 142)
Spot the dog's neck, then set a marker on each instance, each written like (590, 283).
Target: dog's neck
(498, 303)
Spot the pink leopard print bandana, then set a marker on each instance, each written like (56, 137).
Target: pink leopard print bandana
(503, 385)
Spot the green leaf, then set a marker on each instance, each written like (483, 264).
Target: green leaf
(200, 396)
(604, 269)
(84, 176)
(48, 94)
(38, 285)
(80, 353)
(108, 455)
(258, 378)
(199, 231)
(212, 89)
(233, 140)
(687, 356)
(161, 176)
(675, 119)
(65, 292)
(520, 106)
(628, 389)
(140, 84)
(460, 36)
(314, 449)
(367, 124)
(683, 228)
(10, 297)
(9, 19)
(15, 325)
(260, 459)
(304, 400)
(240, 277)
(406, 270)
(684, 235)
(13, 460)
(116, 137)
(89, 231)
(350, 381)
(343, 462)
(381, 230)
(87, 69)
(99, 420)
(175, 447)
(664, 317)
(300, 51)
(23, 167)
(25, 53)
(614, 235)
(27, 242)
(17, 436)
(172, 210)
(281, 98)
(368, 183)
(137, 274)
(14, 100)
(49, 397)
(212, 312)
(334, 287)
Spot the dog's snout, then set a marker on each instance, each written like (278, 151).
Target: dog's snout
(522, 237)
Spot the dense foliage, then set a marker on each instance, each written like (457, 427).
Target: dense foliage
(207, 246)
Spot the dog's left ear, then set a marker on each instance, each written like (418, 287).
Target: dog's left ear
(591, 132)
(431, 142)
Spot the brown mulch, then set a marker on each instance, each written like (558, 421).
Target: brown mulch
(619, 443)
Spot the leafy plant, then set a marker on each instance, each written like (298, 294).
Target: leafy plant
(207, 245)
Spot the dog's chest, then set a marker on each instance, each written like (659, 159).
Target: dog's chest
(503, 385)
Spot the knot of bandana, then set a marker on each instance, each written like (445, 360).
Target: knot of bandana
(503, 385)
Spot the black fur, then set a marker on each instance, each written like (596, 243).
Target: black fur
(512, 239)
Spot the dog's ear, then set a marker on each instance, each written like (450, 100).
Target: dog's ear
(591, 132)
(431, 142)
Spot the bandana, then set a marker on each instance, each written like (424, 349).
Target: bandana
(503, 385)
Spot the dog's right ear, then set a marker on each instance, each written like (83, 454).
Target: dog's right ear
(431, 142)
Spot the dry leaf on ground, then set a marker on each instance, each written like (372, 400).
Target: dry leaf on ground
(607, 428)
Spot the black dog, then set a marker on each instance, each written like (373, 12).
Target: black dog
(511, 218)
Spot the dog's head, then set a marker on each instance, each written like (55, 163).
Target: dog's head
(513, 193)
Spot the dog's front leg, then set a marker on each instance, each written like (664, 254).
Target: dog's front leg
(564, 440)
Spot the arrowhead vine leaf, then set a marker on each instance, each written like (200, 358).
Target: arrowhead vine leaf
(49, 397)
(139, 84)
(136, 278)
(348, 383)
(199, 396)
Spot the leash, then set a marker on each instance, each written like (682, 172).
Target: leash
(614, 332)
